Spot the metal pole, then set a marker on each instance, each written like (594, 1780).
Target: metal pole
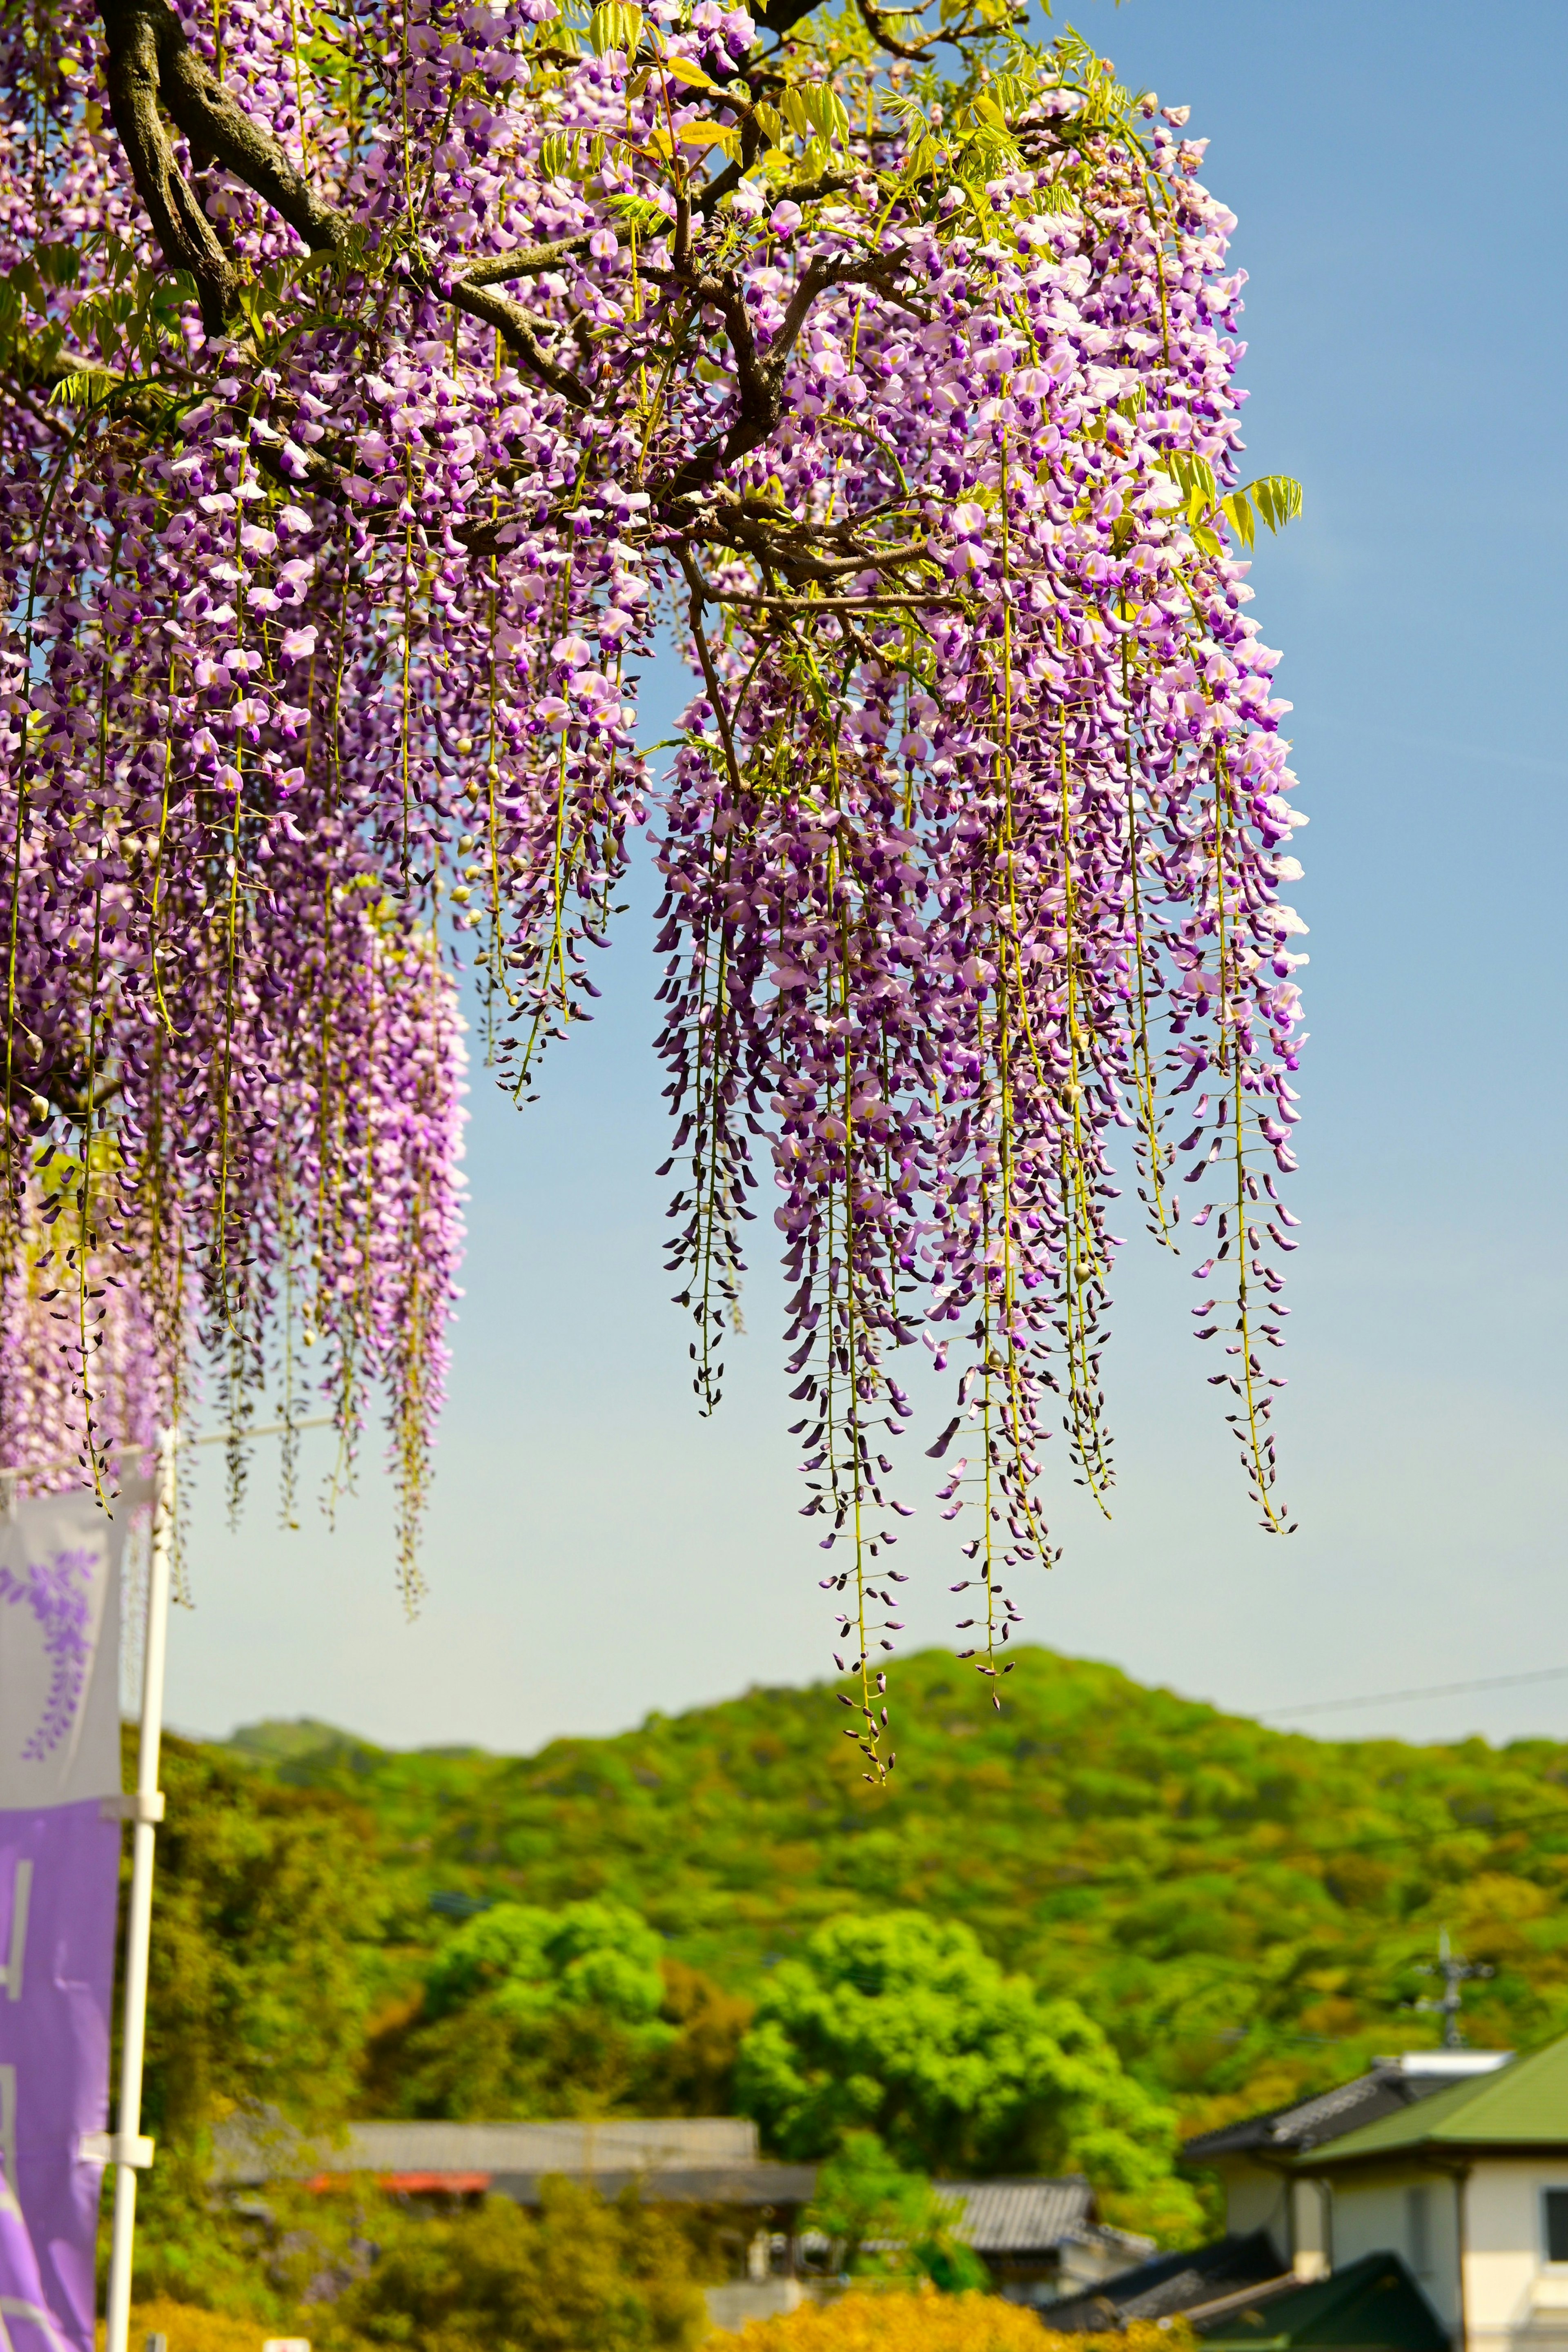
(131, 2151)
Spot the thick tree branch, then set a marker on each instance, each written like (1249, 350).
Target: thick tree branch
(516, 330)
(149, 60)
(211, 120)
(524, 262)
(133, 72)
(875, 20)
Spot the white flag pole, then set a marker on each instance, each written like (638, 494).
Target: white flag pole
(128, 2150)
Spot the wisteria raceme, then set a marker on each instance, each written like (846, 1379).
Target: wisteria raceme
(356, 435)
(79, 1347)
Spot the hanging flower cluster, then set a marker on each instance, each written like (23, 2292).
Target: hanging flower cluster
(80, 1350)
(354, 440)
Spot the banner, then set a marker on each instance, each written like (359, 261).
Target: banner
(59, 1869)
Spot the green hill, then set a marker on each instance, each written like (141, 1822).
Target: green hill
(1244, 1910)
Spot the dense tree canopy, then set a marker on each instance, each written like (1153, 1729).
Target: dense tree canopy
(578, 2272)
(1246, 1911)
(903, 2023)
(267, 1901)
(373, 382)
(527, 2011)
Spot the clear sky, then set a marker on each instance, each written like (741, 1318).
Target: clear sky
(595, 1551)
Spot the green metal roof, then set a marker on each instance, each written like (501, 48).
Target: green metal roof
(1372, 2306)
(1524, 2104)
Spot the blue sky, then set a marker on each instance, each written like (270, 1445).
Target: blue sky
(595, 1551)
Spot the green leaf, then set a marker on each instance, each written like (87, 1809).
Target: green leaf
(59, 265)
(1278, 497)
(686, 69)
(722, 135)
(615, 25)
(815, 109)
(85, 391)
(1239, 514)
(1195, 477)
(648, 219)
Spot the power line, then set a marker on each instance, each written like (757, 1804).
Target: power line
(1431, 1690)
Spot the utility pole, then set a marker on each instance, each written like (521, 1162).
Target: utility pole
(1455, 1975)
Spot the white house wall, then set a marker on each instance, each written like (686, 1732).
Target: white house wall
(1516, 2300)
(1374, 2217)
(1259, 2199)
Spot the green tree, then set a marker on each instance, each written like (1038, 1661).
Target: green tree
(538, 2013)
(267, 1900)
(695, 2075)
(268, 1904)
(902, 2024)
(580, 2273)
(882, 2219)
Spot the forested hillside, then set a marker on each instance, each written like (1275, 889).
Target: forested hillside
(1242, 1910)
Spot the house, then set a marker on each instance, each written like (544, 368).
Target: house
(1256, 2158)
(1041, 2239)
(1235, 2295)
(1470, 2184)
(1424, 2204)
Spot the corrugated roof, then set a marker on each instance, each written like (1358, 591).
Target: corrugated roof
(1020, 2217)
(760, 2184)
(1524, 2104)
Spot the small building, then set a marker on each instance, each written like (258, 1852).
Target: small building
(1258, 2158)
(1471, 2186)
(1234, 2295)
(1374, 2302)
(1041, 2239)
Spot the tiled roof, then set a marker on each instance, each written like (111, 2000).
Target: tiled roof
(1327, 2116)
(1170, 2284)
(1020, 2217)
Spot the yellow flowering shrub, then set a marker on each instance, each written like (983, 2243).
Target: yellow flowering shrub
(191, 2329)
(927, 2322)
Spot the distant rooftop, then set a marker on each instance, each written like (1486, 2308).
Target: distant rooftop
(1021, 2217)
(1167, 2285)
(679, 2159)
(1393, 2085)
(1523, 2106)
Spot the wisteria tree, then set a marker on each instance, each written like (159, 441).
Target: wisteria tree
(375, 383)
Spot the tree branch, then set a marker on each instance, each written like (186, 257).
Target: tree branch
(133, 72)
(211, 120)
(700, 596)
(512, 323)
(527, 259)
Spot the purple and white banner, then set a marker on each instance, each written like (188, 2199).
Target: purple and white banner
(59, 1868)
